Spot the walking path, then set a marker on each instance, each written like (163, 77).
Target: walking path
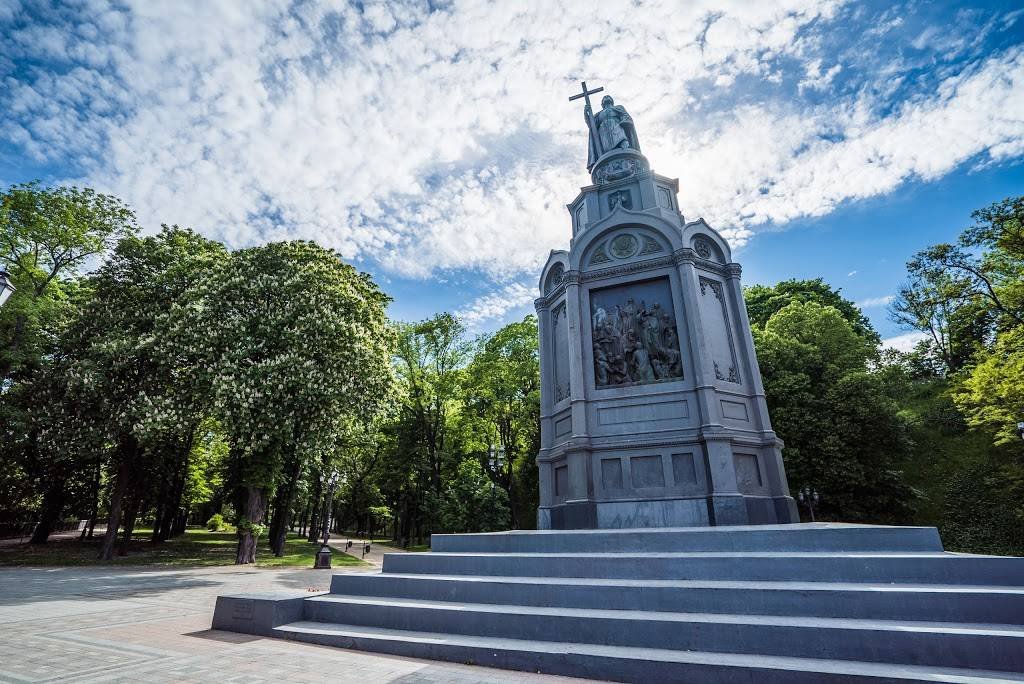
(102, 624)
(376, 555)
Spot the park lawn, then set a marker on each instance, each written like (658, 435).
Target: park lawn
(196, 547)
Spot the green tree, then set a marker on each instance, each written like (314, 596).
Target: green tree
(469, 501)
(842, 430)
(293, 344)
(142, 398)
(46, 236)
(765, 301)
(430, 361)
(502, 390)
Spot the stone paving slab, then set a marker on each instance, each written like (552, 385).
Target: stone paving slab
(102, 624)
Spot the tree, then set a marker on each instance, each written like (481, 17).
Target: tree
(502, 390)
(142, 396)
(46, 236)
(293, 345)
(962, 299)
(843, 432)
(429, 360)
(765, 301)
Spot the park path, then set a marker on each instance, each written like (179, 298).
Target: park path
(377, 551)
(103, 624)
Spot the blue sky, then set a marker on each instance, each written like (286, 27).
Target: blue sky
(432, 142)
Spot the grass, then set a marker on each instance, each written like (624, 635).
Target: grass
(194, 548)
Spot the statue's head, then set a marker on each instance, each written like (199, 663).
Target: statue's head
(607, 101)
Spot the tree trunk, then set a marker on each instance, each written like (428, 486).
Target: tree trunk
(180, 522)
(131, 512)
(87, 530)
(127, 454)
(255, 509)
(285, 500)
(314, 520)
(53, 506)
(159, 519)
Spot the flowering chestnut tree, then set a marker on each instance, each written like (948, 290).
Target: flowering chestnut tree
(292, 345)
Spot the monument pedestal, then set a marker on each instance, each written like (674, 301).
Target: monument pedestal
(652, 408)
(770, 603)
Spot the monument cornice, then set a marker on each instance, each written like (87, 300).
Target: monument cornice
(626, 269)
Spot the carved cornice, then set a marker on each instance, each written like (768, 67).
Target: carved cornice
(571, 278)
(541, 304)
(625, 269)
(684, 255)
(733, 270)
(687, 255)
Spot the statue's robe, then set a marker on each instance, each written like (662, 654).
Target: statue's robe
(609, 128)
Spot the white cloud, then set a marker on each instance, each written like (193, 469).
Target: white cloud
(851, 274)
(874, 302)
(495, 305)
(905, 342)
(438, 140)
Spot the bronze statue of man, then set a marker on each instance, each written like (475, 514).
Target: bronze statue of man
(611, 128)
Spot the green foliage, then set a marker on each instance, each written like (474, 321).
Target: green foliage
(842, 430)
(469, 502)
(215, 523)
(764, 301)
(46, 236)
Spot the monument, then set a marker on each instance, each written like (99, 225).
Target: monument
(655, 433)
(652, 409)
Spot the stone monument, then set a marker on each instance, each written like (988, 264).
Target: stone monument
(654, 416)
(652, 409)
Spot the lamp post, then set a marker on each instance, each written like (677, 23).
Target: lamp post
(323, 556)
(808, 496)
(6, 288)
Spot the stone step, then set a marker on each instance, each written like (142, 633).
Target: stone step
(976, 646)
(913, 568)
(823, 599)
(625, 664)
(799, 537)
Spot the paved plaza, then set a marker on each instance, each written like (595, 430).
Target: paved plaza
(101, 624)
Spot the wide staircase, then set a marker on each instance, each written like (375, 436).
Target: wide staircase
(788, 603)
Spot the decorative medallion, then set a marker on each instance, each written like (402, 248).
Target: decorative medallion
(623, 246)
(554, 279)
(703, 248)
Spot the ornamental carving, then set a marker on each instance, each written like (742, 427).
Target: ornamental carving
(599, 256)
(620, 198)
(732, 376)
(703, 248)
(635, 342)
(616, 169)
(651, 246)
(555, 277)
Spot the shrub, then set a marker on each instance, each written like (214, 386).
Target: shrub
(215, 523)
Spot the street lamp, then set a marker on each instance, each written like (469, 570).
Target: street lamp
(808, 496)
(323, 556)
(6, 288)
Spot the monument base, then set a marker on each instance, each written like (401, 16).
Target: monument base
(679, 512)
(769, 603)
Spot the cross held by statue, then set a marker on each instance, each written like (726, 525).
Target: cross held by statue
(586, 93)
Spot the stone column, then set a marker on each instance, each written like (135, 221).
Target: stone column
(577, 458)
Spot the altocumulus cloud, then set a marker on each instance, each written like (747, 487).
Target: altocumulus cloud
(434, 139)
